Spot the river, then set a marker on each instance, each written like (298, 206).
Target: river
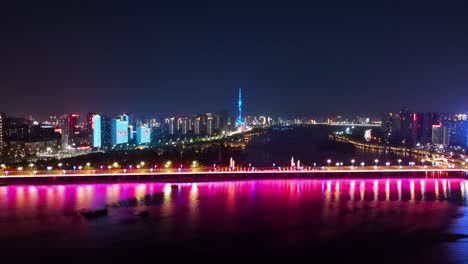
(311, 145)
(358, 220)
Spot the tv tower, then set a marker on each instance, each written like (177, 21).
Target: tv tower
(239, 122)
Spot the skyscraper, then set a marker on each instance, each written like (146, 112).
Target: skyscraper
(185, 125)
(119, 130)
(89, 127)
(69, 130)
(240, 122)
(105, 131)
(143, 134)
(437, 134)
(196, 125)
(223, 120)
(209, 125)
(95, 132)
(171, 125)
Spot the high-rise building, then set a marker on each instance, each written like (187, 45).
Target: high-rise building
(89, 129)
(457, 129)
(130, 132)
(72, 121)
(143, 134)
(119, 130)
(209, 125)
(196, 125)
(96, 131)
(172, 125)
(105, 131)
(2, 121)
(406, 126)
(437, 134)
(179, 125)
(223, 120)
(185, 125)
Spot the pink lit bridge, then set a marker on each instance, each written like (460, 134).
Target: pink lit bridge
(226, 173)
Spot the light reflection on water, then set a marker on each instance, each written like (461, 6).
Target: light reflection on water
(292, 211)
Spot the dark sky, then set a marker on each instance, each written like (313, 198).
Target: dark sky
(168, 57)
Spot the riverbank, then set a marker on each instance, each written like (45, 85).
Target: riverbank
(382, 147)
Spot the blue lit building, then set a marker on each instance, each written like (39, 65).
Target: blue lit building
(240, 122)
(143, 134)
(119, 130)
(96, 141)
(130, 132)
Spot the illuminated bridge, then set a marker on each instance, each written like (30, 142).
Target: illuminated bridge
(225, 173)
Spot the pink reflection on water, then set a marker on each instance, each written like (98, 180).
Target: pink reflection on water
(325, 207)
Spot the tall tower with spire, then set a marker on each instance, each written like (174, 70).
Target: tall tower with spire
(239, 108)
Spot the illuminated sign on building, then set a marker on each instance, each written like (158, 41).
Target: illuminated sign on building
(368, 134)
(143, 134)
(119, 130)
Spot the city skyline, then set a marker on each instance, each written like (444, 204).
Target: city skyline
(292, 61)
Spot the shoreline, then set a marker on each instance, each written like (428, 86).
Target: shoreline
(381, 147)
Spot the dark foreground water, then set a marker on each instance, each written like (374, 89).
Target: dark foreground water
(354, 220)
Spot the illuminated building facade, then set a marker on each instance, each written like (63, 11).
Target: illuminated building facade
(196, 125)
(239, 122)
(143, 134)
(185, 125)
(130, 132)
(119, 130)
(209, 125)
(96, 132)
(72, 121)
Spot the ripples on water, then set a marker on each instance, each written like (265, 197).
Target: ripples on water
(245, 217)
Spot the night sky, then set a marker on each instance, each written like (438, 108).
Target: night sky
(173, 57)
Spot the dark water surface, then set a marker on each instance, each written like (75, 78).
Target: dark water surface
(312, 145)
(358, 220)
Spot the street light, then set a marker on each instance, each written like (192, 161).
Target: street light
(399, 162)
(31, 165)
(352, 163)
(376, 161)
(387, 163)
(422, 162)
(329, 161)
(362, 164)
